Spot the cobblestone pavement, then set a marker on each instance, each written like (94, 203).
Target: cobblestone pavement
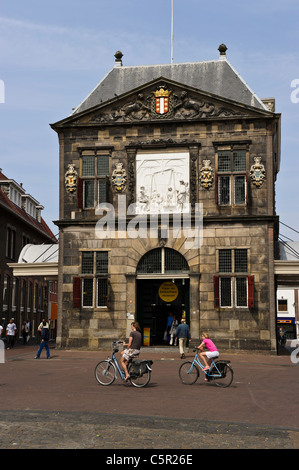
(57, 404)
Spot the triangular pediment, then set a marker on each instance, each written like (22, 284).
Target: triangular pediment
(163, 100)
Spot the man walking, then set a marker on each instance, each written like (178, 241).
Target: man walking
(11, 334)
(183, 333)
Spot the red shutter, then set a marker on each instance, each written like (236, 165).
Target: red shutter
(76, 292)
(216, 291)
(216, 188)
(246, 187)
(80, 194)
(250, 291)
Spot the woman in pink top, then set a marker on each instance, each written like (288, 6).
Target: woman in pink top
(212, 350)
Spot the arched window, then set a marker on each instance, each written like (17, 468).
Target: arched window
(163, 261)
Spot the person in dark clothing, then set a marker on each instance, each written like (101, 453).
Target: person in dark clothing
(133, 346)
(182, 333)
(44, 341)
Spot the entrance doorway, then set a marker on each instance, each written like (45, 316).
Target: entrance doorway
(156, 299)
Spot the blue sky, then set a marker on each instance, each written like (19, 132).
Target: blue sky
(53, 53)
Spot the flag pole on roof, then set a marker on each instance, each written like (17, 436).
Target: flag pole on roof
(171, 59)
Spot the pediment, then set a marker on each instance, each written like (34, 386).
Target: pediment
(163, 100)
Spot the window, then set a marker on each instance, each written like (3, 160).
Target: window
(10, 242)
(92, 287)
(282, 305)
(163, 261)
(93, 184)
(231, 188)
(233, 286)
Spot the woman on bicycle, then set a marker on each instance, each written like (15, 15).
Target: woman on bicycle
(133, 347)
(212, 352)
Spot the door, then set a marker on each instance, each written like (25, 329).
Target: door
(156, 300)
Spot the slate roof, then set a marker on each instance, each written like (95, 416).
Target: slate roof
(216, 77)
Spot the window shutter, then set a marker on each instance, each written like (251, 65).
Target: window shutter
(216, 188)
(246, 187)
(250, 291)
(216, 292)
(76, 292)
(80, 194)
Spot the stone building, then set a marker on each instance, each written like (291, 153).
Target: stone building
(167, 205)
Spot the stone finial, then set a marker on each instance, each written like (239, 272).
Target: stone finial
(118, 56)
(222, 49)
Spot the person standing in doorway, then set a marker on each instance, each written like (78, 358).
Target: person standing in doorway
(11, 330)
(183, 333)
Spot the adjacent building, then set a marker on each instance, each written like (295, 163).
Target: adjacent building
(167, 205)
(23, 298)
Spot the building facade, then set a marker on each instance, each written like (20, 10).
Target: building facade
(23, 298)
(167, 205)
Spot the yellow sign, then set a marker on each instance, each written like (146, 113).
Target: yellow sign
(168, 291)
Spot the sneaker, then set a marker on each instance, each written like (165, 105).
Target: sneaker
(206, 368)
(36, 357)
(183, 356)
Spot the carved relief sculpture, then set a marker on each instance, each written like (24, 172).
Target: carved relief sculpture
(119, 178)
(206, 174)
(71, 178)
(257, 172)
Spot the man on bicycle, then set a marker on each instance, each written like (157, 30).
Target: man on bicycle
(133, 347)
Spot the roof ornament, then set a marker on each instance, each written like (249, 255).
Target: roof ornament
(222, 49)
(118, 56)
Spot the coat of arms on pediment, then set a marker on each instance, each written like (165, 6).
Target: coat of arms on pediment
(70, 178)
(119, 178)
(206, 175)
(257, 172)
(162, 102)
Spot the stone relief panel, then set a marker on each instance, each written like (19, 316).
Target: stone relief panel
(162, 182)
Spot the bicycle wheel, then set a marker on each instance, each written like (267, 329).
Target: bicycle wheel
(141, 380)
(188, 373)
(105, 372)
(227, 375)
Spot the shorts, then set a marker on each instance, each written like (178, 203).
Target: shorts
(212, 354)
(129, 353)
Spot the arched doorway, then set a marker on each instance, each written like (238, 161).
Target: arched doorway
(162, 288)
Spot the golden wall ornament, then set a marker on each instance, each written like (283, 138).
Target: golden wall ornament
(119, 178)
(71, 178)
(258, 172)
(206, 174)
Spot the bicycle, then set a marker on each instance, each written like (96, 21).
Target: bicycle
(139, 370)
(219, 372)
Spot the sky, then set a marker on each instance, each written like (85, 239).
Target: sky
(53, 53)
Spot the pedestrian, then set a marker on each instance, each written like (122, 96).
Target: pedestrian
(168, 326)
(25, 332)
(11, 330)
(183, 333)
(173, 339)
(212, 352)
(133, 347)
(44, 328)
(1, 329)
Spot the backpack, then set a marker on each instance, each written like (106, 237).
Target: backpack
(45, 334)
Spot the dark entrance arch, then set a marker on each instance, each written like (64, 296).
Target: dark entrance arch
(162, 287)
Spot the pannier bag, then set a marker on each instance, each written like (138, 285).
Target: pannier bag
(140, 367)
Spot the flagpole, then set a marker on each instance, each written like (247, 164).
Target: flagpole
(171, 59)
